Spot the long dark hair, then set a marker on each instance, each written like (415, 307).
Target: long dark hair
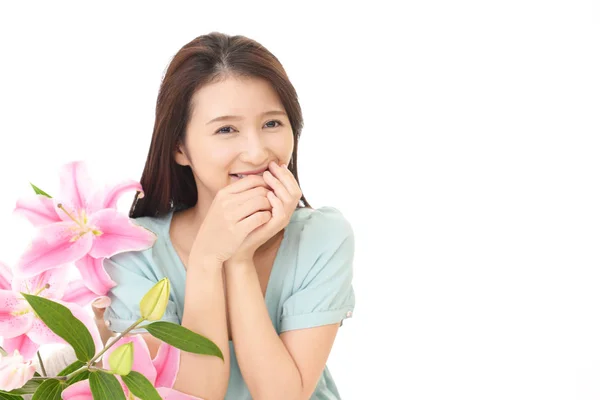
(207, 58)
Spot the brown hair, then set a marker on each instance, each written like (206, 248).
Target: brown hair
(204, 60)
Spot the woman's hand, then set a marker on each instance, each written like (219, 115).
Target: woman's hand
(236, 210)
(283, 202)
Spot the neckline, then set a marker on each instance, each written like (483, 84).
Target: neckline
(275, 269)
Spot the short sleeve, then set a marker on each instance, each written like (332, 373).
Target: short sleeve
(134, 275)
(323, 292)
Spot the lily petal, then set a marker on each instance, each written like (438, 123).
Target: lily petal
(142, 362)
(172, 394)
(75, 185)
(41, 334)
(166, 364)
(78, 391)
(5, 276)
(111, 196)
(39, 210)
(119, 234)
(55, 278)
(52, 247)
(94, 275)
(15, 371)
(23, 344)
(13, 325)
(77, 292)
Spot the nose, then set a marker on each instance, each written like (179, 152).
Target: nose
(256, 152)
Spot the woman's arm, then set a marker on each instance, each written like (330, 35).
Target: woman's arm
(205, 313)
(202, 376)
(273, 368)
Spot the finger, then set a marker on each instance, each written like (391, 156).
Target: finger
(254, 221)
(250, 207)
(286, 177)
(278, 209)
(244, 184)
(238, 199)
(278, 187)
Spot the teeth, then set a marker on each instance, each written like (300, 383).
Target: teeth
(243, 176)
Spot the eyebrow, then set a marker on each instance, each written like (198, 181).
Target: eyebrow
(237, 117)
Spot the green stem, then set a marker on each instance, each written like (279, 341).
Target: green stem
(89, 365)
(119, 336)
(72, 374)
(42, 364)
(102, 370)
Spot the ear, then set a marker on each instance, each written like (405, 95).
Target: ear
(180, 156)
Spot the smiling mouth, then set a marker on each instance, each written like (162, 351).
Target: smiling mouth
(240, 176)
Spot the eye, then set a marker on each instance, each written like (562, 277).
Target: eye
(225, 127)
(278, 122)
(221, 130)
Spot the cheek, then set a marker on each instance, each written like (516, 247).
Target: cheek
(213, 155)
(283, 145)
(221, 156)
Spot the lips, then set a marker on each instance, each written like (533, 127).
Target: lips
(255, 172)
(243, 175)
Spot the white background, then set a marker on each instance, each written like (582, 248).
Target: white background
(459, 138)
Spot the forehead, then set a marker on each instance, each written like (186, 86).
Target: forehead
(235, 96)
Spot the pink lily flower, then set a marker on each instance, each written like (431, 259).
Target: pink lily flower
(160, 371)
(21, 329)
(82, 226)
(14, 371)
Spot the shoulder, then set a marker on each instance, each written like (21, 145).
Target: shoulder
(326, 217)
(154, 224)
(321, 234)
(322, 227)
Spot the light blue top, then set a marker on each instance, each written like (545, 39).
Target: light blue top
(310, 283)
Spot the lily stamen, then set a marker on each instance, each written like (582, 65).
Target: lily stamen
(70, 216)
(46, 286)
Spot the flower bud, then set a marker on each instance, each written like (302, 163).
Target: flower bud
(121, 359)
(154, 303)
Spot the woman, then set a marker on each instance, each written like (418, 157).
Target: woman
(252, 266)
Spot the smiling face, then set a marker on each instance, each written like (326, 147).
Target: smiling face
(237, 125)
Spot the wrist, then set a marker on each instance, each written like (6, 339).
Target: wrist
(208, 263)
(239, 262)
(239, 268)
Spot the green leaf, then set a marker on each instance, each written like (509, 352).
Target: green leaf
(105, 386)
(37, 190)
(140, 386)
(49, 390)
(6, 396)
(182, 338)
(83, 375)
(62, 322)
(3, 352)
(29, 388)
